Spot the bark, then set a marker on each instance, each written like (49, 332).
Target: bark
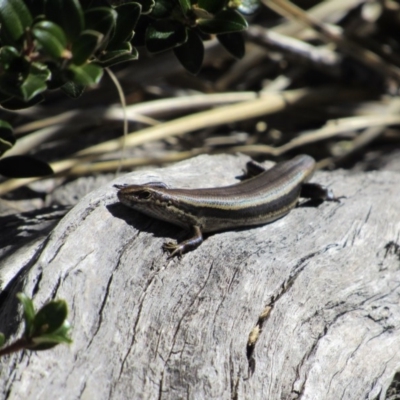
(306, 307)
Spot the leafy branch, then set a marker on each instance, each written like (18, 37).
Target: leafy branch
(66, 44)
(44, 329)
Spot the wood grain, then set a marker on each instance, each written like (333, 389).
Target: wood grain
(317, 293)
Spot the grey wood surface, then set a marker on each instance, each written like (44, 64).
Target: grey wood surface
(306, 307)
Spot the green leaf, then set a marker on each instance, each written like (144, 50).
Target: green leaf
(23, 167)
(25, 90)
(101, 19)
(68, 14)
(62, 332)
(147, 5)
(87, 74)
(8, 56)
(15, 71)
(59, 75)
(7, 139)
(128, 15)
(2, 339)
(84, 48)
(233, 42)
(32, 86)
(163, 9)
(15, 18)
(50, 318)
(40, 70)
(212, 6)
(164, 35)
(24, 80)
(185, 5)
(200, 13)
(191, 53)
(51, 37)
(73, 90)
(29, 311)
(109, 58)
(47, 341)
(226, 21)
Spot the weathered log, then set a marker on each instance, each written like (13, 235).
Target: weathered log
(306, 307)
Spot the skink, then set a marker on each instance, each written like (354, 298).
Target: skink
(269, 195)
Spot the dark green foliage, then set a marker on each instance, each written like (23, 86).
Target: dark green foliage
(185, 5)
(15, 19)
(164, 35)
(24, 80)
(51, 38)
(190, 54)
(49, 43)
(127, 17)
(73, 90)
(163, 9)
(86, 74)
(66, 44)
(233, 42)
(225, 21)
(176, 25)
(147, 5)
(67, 14)
(47, 327)
(212, 6)
(86, 46)
(43, 329)
(102, 20)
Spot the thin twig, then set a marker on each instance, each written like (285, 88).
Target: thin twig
(331, 129)
(18, 345)
(318, 57)
(334, 34)
(123, 108)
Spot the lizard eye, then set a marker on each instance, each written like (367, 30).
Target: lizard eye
(143, 194)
